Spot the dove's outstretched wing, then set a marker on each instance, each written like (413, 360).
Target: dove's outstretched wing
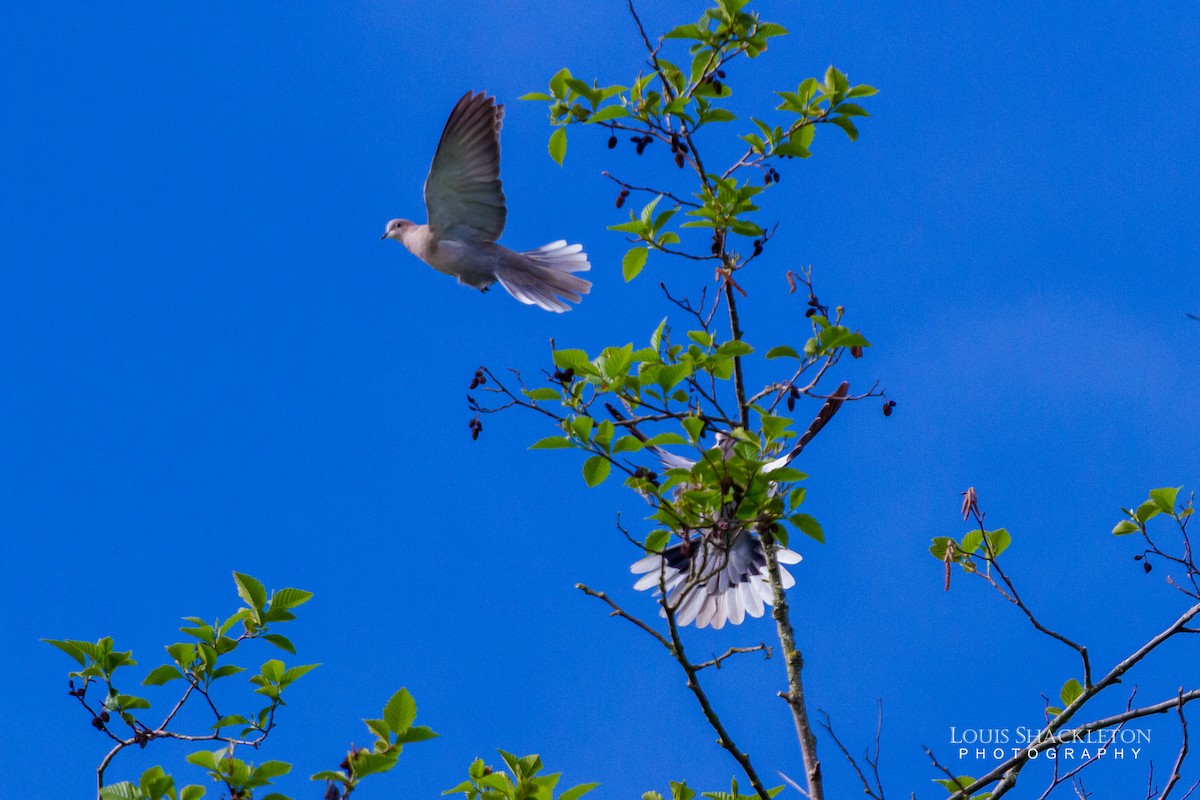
(462, 193)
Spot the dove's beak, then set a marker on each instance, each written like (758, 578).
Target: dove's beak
(385, 235)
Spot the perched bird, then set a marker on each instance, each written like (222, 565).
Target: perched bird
(465, 205)
(720, 575)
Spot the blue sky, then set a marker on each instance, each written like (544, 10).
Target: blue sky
(212, 363)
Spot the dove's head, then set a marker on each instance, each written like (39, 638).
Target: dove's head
(396, 228)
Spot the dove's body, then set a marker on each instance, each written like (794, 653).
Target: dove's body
(467, 213)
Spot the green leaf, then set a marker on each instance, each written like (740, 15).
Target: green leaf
(846, 125)
(627, 444)
(272, 669)
(289, 598)
(373, 763)
(576, 792)
(998, 541)
(633, 262)
(782, 351)
(657, 541)
(604, 433)
(558, 84)
(595, 470)
(230, 719)
(940, 545)
(71, 648)
(1147, 511)
(337, 776)
(417, 733)
(294, 673)
(793, 150)
(1125, 526)
(575, 359)
(862, 90)
(647, 214)
(693, 426)
(271, 769)
(120, 791)
(205, 759)
(535, 96)
(852, 110)
(656, 337)
(160, 675)
(582, 427)
(609, 112)
(558, 145)
(809, 526)
(400, 710)
(543, 393)
(671, 374)
(1165, 498)
(971, 541)
(684, 32)
(251, 591)
(192, 792)
(282, 642)
(1071, 691)
(786, 475)
(961, 782)
(635, 226)
(665, 438)
(769, 29)
(734, 348)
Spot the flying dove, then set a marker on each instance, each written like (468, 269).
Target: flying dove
(720, 575)
(465, 205)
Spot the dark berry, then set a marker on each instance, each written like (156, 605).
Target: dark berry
(721, 74)
(887, 409)
(612, 142)
(679, 159)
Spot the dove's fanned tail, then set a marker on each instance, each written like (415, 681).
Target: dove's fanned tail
(711, 584)
(543, 278)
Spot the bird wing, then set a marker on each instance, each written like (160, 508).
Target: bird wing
(463, 196)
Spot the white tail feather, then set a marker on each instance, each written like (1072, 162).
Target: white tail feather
(543, 277)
